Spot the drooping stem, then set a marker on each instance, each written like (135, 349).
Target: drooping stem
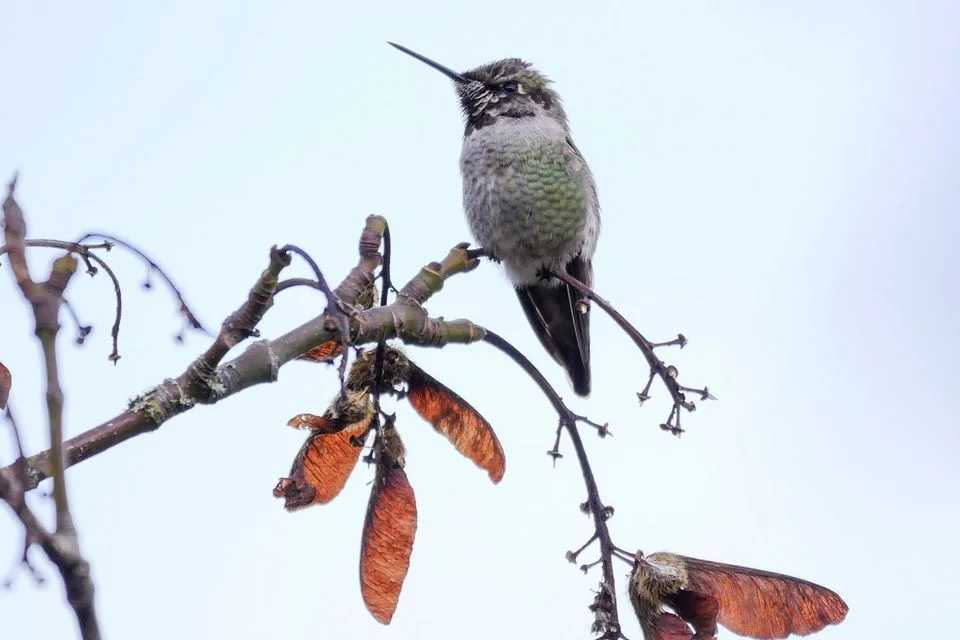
(191, 317)
(600, 513)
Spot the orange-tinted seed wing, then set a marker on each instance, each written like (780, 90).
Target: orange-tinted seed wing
(388, 535)
(326, 352)
(452, 416)
(760, 604)
(321, 468)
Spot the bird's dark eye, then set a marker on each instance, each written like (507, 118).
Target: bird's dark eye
(509, 86)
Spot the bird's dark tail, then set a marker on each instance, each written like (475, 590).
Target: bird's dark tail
(561, 321)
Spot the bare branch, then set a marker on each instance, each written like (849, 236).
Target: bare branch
(85, 251)
(62, 550)
(385, 286)
(289, 283)
(666, 373)
(204, 383)
(152, 266)
(83, 330)
(335, 308)
(62, 546)
(17, 493)
(607, 620)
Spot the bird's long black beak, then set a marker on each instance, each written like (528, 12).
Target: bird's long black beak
(450, 73)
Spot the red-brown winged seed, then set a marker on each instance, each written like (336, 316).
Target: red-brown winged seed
(388, 535)
(453, 417)
(754, 603)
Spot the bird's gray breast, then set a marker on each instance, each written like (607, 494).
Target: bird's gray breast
(528, 195)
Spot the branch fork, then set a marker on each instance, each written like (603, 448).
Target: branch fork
(61, 545)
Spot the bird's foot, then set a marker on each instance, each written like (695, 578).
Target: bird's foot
(484, 253)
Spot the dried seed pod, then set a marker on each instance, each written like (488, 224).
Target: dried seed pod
(749, 602)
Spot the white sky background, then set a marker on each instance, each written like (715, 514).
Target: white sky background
(778, 182)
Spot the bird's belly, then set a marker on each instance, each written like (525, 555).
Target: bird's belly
(525, 208)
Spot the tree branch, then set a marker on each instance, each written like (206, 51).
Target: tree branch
(658, 368)
(152, 266)
(204, 382)
(62, 546)
(85, 251)
(607, 618)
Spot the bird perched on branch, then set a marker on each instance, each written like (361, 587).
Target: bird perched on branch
(530, 199)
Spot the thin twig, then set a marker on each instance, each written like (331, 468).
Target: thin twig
(385, 286)
(21, 463)
(600, 513)
(85, 251)
(386, 282)
(666, 373)
(83, 330)
(572, 555)
(332, 301)
(45, 299)
(289, 283)
(335, 308)
(82, 249)
(190, 316)
(20, 467)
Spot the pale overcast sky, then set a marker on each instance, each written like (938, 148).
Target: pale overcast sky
(778, 182)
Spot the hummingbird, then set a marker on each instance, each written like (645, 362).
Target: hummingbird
(530, 199)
